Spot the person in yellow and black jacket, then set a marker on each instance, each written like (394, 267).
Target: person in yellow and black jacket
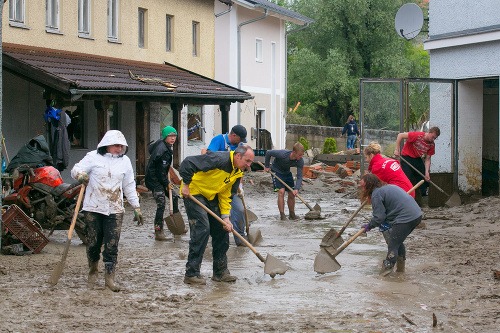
(213, 179)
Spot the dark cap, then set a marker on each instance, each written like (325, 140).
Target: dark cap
(240, 131)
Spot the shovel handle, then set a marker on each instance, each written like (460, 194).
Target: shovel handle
(75, 214)
(286, 185)
(247, 224)
(170, 200)
(217, 217)
(417, 171)
(352, 218)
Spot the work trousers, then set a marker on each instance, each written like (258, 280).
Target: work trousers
(202, 226)
(160, 197)
(238, 217)
(395, 236)
(412, 175)
(103, 230)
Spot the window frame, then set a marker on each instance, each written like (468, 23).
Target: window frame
(84, 18)
(52, 8)
(142, 20)
(169, 32)
(195, 30)
(259, 50)
(17, 13)
(113, 18)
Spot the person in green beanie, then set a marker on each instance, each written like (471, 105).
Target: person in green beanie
(157, 170)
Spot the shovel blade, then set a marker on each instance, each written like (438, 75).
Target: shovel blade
(332, 239)
(254, 236)
(317, 208)
(324, 263)
(453, 201)
(175, 223)
(313, 215)
(274, 266)
(251, 216)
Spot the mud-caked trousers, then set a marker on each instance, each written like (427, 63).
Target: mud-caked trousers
(394, 237)
(161, 197)
(103, 230)
(202, 226)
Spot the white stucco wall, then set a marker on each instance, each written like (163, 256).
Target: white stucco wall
(457, 15)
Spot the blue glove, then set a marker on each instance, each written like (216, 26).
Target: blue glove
(367, 227)
(384, 227)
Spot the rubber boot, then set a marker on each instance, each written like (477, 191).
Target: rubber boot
(92, 279)
(160, 235)
(292, 215)
(109, 276)
(400, 265)
(282, 216)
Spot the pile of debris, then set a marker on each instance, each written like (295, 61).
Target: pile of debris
(347, 169)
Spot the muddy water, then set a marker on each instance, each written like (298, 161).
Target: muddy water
(352, 299)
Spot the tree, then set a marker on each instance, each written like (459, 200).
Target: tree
(349, 40)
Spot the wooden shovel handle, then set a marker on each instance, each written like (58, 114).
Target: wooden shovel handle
(77, 210)
(362, 230)
(286, 185)
(430, 181)
(247, 224)
(217, 217)
(352, 218)
(170, 200)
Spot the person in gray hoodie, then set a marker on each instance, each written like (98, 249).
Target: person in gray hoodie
(396, 213)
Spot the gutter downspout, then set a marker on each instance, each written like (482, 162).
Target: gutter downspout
(238, 113)
(224, 12)
(288, 32)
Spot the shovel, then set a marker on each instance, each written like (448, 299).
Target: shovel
(314, 213)
(453, 200)
(253, 236)
(57, 272)
(325, 261)
(174, 222)
(272, 265)
(334, 238)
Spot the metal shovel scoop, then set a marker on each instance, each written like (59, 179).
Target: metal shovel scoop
(175, 222)
(254, 236)
(272, 265)
(314, 212)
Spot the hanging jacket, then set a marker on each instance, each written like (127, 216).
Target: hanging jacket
(110, 178)
(35, 154)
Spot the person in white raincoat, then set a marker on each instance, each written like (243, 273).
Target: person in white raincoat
(108, 174)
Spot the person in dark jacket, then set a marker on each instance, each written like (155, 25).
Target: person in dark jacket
(351, 128)
(396, 213)
(160, 159)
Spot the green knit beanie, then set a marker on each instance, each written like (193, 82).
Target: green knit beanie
(169, 130)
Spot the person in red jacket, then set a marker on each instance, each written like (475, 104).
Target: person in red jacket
(387, 169)
(417, 151)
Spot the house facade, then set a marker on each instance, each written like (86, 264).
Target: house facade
(251, 54)
(116, 64)
(464, 45)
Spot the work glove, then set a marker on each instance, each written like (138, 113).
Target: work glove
(138, 216)
(83, 178)
(367, 227)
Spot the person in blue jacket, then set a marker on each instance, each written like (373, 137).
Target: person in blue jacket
(351, 128)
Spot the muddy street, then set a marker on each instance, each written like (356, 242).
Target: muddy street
(449, 274)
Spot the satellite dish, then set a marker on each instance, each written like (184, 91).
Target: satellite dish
(409, 21)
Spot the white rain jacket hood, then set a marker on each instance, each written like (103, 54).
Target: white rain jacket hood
(110, 178)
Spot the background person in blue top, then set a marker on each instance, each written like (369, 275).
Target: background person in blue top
(283, 161)
(351, 128)
(229, 142)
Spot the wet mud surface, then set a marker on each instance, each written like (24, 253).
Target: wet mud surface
(448, 274)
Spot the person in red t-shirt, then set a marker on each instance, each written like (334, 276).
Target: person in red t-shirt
(387, 169)
(417, 151)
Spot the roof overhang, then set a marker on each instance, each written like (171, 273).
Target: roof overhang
(85, 76)
(275, 11)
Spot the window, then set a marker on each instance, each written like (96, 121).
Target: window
(113, 20)
(196, 38)
(16, 12)
(84, 15)
(258, 50)
(169, 34)
(195, 119)
(52, 15)
(113, 116)
(142, 26)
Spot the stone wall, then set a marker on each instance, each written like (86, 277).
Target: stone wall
(316, 135)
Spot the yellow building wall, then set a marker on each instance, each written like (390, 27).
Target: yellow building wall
(184, 13)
